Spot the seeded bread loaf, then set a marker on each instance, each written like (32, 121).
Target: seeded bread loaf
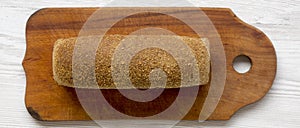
(140, 67)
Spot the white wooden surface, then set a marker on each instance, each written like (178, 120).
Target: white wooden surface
(280, 20)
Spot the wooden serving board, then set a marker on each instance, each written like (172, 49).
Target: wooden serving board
(45, 100)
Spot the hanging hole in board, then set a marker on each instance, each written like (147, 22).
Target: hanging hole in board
(242, 64)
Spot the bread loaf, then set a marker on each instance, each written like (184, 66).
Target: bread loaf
(140, 67)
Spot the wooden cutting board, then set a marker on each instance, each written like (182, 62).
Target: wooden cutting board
(45, 100)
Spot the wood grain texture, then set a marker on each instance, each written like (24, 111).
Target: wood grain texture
(45, 100)
(278, 19)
